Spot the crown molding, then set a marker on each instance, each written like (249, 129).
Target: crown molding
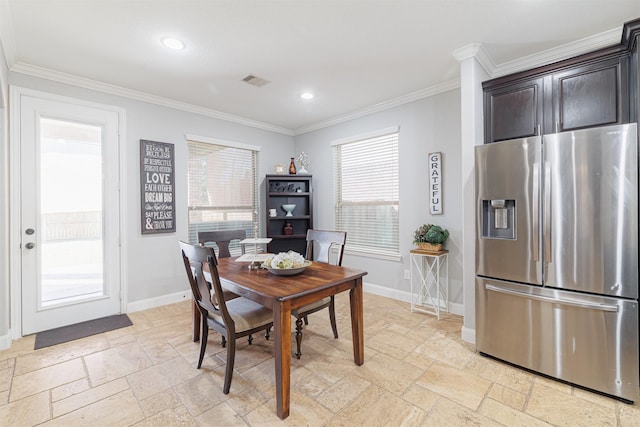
(7, 38)
(95, 85)
(385, 105)
(568, 50)
(477, 51)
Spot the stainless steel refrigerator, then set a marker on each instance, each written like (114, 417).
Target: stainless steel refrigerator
(557, 256)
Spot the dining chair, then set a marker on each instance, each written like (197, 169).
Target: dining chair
(222, 239)
(231, 319)
(324, 241)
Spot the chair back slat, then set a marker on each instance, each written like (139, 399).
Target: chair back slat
(208, 295)
(222, 239)
(324, 241)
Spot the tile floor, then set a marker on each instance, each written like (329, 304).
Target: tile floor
(417, 371)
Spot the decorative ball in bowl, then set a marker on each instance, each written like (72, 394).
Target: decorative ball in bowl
(288, 209)
(286, 264)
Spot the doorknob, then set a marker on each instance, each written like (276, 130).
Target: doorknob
(29, 231)
(30, 245)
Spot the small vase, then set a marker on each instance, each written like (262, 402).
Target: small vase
(288, 229)
(292, 167)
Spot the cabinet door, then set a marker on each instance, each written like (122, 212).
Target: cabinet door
(591, 95)
(514, 111)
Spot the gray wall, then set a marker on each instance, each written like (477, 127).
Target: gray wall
(152, 267)
(427, 125)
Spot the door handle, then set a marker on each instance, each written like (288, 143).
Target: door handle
(552, 300)
(30, 245)
(29, 231)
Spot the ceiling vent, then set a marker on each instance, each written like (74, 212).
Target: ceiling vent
(255, 81)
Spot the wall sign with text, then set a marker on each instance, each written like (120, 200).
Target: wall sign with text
(435, 183)
(157, 187)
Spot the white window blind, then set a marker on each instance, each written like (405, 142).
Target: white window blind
(367, 192)
(222, 188)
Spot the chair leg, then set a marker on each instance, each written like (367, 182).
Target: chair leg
(204, 335)
(306, 320)
(231, 357)
(223, 341)
(298, 336)
(267, 333)
(332, 318)
(250, 339)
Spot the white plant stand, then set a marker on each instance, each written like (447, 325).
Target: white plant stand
(429, 281)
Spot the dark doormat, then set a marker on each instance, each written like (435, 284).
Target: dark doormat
(81, 330)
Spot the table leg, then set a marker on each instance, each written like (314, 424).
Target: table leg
(357, 322)
(195, 322)
(282, 345)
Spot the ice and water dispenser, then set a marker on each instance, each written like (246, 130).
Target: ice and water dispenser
(498, 219)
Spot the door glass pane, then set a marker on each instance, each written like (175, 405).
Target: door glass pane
(70, 233)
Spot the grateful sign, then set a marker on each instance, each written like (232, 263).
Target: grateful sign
(435, 183)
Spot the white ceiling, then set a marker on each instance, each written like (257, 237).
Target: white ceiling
(354, 55)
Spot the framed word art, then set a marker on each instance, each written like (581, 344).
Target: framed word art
(435, 183)
(157, 188)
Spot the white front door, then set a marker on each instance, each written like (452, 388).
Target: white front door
(70, 252)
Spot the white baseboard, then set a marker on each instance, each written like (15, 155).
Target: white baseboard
(405, 296)
(5, 341)
(158, 301)
(469, 335)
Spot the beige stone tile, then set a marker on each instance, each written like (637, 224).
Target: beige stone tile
(167, 399)
(247, 356)
(601, 400)
(561, 409)
(629, 415)
(18, 347)
(107, 365)
(451, 414)
(377, 407)
(508, 416)
(221, 415)
(46, 378)
(29, 411)
(501, 373)
(200, 393)
(342, 393)
(88, 397)
(6, 375)
(421, 397)
(118, 410)
(551, 383)
(69, 389)
(246, 401)
(454, 384)
(391, 344)
(310, 384)
(388, 373)
(178, 416)
(157, 378)
(444, 349)
(505, 395)
(304, 411)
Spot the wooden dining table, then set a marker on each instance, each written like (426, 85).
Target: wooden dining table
(285, 293)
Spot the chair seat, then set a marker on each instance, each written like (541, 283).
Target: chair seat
(311, 307)
(246, 314)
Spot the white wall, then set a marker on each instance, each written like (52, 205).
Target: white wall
(4, 204)
(427, 125)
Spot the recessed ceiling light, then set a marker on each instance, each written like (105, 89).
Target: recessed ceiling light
(172, 43)
(306, 95)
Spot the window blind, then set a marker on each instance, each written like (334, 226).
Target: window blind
(222, 189)
(367, 193)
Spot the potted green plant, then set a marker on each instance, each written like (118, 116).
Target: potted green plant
(430, 237)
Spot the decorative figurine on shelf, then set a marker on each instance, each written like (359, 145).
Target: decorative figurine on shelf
(292, 167)
(288, 229)
(303, 160)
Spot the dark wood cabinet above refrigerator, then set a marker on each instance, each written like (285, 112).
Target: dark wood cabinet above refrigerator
(599, 88)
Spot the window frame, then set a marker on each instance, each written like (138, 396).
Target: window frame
(364, 250)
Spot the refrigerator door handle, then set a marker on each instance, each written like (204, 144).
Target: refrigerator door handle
(536, 213)
(574, 303)
(547, 213)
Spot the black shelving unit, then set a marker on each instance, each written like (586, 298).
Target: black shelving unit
(283, 190)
